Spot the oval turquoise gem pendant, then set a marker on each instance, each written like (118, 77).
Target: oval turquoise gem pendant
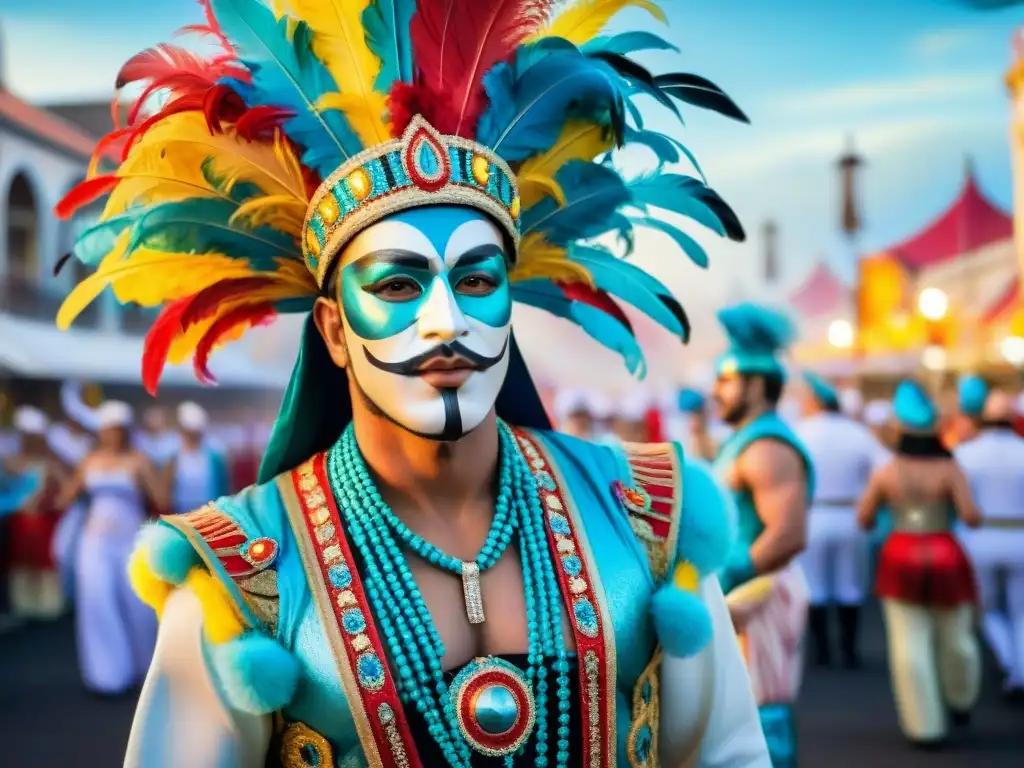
(494, 706)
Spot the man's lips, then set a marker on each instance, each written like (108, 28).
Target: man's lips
(446, 365)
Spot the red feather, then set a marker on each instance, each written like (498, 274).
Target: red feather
(222, 105)
(165, 329)
(250, 316)
(206, 303)
(456, 42)
(211, 28)
(260, 122)
(114, 145)
(80, 195)
(598, 299)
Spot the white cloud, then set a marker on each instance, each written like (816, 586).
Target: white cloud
(858, 97)
(938, 43)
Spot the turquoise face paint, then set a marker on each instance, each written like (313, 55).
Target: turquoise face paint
(384, 291)
(424, 284)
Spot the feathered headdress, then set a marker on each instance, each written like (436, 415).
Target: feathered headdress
(318, 117)
(757, 336)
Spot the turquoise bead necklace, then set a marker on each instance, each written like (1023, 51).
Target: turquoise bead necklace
(412, 639)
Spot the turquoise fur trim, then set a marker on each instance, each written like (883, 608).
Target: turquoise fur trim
(170, 555)
(255, 674)
(973, 392)
(681, 620)
(913, 408)
(706, 529)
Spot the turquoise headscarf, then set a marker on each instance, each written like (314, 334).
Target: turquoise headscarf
(973, 393)
(691, 401)
(757, 335)
(913, 407)
(823, 391)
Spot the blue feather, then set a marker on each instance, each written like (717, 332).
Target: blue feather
(593, 193)
(527, 112)
(286, 74)
(629, 283)
(688, 245)
(671, 192)
(387, 34)
(628, 42)
(599, 325)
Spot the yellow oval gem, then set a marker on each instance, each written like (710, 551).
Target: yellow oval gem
(686, 577)
(481, 169)
(359, 184)
(312, 243)
(514, 208)
(328, 210)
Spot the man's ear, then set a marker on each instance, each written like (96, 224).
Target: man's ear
(327, 316)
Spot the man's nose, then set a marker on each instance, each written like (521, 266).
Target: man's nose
(440, 318)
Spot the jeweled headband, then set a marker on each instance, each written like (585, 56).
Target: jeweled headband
(421, 168)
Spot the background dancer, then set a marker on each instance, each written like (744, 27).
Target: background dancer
(771, 477)
(835, 563)
(116, 632)
(994, 464)
(924, 579)
(198, 472)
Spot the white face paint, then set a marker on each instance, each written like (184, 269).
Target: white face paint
(417, 284)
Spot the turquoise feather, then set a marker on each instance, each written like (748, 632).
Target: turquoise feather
(628, 42)
(593, 193)
(599, 325)
(286, 74)
(629, 283)
(671, 192)
(93, 244)
(694, 250)
(387, 34)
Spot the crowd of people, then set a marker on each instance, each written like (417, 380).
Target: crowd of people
(919, 507)
(79, 486)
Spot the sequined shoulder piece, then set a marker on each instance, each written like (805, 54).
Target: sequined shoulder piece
(247, 561)
(653, 500)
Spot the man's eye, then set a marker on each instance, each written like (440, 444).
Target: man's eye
(396, 289)
(476, 285)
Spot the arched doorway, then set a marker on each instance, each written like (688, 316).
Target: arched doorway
(22, 229)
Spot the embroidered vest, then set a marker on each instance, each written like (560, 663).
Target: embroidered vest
(282, 551)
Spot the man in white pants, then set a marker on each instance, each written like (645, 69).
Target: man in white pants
(844, 453)
(994, 464)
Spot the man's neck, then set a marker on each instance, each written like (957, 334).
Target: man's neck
(431, 474)
(753, 414)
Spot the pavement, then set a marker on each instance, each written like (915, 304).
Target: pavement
(846, 719)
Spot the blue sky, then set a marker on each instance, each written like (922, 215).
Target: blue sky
(917, 83)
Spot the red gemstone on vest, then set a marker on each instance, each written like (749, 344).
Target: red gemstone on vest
(260, 550)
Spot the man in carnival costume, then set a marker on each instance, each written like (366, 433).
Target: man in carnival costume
(994, 464)
(772, 479)
(362, 605)
(844, 453)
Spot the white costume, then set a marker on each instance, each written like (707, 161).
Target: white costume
(994, 464)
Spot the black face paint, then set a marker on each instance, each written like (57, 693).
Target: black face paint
(452, 416)
(413, 366)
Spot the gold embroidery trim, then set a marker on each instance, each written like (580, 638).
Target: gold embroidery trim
(646, 714)
(297, 741)
(657, 464)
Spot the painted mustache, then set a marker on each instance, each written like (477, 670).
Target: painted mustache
(414, 366)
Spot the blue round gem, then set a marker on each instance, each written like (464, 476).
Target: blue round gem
(310, 755)
(545, 480)
(353, 621)
(340, 576)
(370, 670)
(572, 565)
(586, 616)
(496, 709)
(560, 525)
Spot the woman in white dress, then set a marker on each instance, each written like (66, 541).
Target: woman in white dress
(116, 632)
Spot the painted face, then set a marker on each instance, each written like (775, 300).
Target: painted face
(427, 317)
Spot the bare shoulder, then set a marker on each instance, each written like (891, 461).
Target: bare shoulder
(771, 461)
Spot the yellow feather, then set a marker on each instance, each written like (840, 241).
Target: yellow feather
(540, 259)
(585, 19)
(533, 187)
(339, 41)
(86, 291)
(364, 115)
(166, 165)
(580, 140)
